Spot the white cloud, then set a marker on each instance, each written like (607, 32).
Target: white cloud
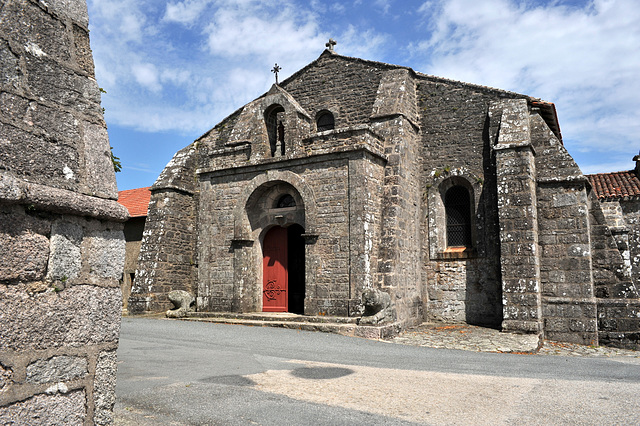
(585, 59)
(609, 166)
(262, 31)
(185, 12)
(147, 76)
(361, 44)
(127, 20)
(384, 5)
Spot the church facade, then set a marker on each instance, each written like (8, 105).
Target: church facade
(458, 201)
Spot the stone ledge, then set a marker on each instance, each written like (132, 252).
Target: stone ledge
(15, 191)
(289, 162)
(516, 146)
(573, 179)
(346, 326)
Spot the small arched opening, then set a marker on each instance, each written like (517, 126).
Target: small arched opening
(274, 120)
(325, 121)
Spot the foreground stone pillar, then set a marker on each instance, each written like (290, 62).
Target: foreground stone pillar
(61, 229)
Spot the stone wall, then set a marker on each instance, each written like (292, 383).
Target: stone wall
(167, 258)
(61, 230)
(631, 212)
(587, 293)
(457, 149)
(221, 253)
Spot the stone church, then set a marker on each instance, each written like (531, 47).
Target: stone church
(455, 202)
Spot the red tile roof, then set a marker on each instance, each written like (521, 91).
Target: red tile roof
(616, 185)
(136, 201)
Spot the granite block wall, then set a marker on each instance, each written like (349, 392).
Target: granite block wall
(61, 229)
(631, 212)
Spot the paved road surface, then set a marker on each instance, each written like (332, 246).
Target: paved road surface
(175, 373)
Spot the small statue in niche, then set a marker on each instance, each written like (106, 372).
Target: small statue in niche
(377, 307)
(280, 138)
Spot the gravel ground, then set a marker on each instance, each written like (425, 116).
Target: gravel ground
(481, 339)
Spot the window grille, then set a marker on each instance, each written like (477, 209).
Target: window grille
(458, 211)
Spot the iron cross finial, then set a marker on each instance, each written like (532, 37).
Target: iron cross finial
(275, 70)
(330, 44)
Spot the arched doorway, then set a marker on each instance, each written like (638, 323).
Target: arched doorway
(283, 276)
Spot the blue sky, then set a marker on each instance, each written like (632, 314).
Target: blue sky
(173, 69)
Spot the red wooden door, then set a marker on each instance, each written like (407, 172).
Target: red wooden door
(274, 271)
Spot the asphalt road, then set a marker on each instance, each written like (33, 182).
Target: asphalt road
(178, 372)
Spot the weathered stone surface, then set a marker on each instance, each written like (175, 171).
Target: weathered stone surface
(40, 35)
(57, 409)
(73, 9)
(100, 177)
(56, 85)
(57, 200)
(5, 378)
(62, 247)
(30, 156)
(66, 258)
(182, 302)
(377, 307)
(9, 68)
(105, 248)
(83, 49)
(57, 369)
(104, 388)
(24, 246)
(79, 315)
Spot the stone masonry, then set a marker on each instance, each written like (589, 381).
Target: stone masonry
(459, 201)
(61, 238)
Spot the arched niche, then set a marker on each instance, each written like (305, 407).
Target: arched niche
(272, 184)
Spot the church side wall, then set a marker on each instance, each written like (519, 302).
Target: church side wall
(587, 293)
(568, 301)
(617, 296)
(167, 257)
(565, 242)
(455, 144)
(61, 229)
(218, 199)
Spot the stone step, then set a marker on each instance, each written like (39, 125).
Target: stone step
(300, 322)
(276, 316)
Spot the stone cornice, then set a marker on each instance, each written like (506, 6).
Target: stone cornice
(55, 200)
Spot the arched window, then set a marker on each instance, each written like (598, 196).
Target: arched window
(325, 121)
(457, 206)
(275, 129)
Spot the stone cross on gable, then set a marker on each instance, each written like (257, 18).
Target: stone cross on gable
(330, 44)
(275, 70)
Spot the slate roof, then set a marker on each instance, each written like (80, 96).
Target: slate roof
(616, 185)
(136, 201)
